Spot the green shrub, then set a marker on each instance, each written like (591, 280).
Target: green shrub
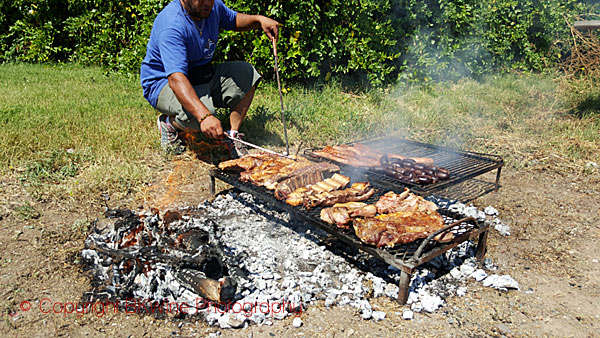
(372, 41)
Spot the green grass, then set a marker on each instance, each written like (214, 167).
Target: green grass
(69, 130)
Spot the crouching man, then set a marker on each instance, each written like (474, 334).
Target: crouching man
(179, 79)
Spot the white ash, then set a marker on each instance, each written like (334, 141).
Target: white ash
(286, 265)
(287, 261)
(489, 213)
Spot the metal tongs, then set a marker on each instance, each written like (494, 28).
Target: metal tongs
(233, 139)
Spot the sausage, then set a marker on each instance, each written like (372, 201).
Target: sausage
(419, 166)
(424, 179)
(425, 160)
(442, 175)
(408, 163)
(429, 172)
(418, 172)
(443, 171)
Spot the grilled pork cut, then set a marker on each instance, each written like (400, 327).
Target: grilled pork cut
(335, 182)
(302, 177)
(397, 228)
(341, 214)
(336, 215)
(360, 155)
(246, 162)
(405, 201)
(357, 192)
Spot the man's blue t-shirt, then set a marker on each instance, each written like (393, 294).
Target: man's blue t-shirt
(178, 44)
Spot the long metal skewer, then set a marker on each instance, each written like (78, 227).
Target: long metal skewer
(287, 146)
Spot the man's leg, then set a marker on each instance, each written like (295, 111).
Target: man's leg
(239, 112)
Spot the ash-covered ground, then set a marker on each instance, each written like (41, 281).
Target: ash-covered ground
(284, 266)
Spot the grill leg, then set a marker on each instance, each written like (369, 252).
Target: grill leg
(403, 287)
(481, 246)
(498, 179)
(211, 185)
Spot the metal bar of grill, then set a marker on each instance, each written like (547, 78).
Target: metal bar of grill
(463, 166)
(404, 257)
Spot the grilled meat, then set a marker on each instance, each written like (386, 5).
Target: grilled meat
(398, 228)
(336, 215)
(357, 192)
(358, 209)
(279, 173)
(302, 177)
(246, 162)
(405, 201)
(342, 213)
(335, 182)
(360, 155)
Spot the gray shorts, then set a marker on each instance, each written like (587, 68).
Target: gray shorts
(229, 85)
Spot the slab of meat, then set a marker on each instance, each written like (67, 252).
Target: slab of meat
(302, 177)
(358, 209)
(398, 228)
(406, 201)
(335, 182)
(336, 215)
(341, 214)
(357, 192)
(247, 162)
(360, 155)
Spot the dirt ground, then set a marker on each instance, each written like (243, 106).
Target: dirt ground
(553, 252)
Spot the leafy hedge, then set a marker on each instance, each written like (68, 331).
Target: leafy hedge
(379, 41)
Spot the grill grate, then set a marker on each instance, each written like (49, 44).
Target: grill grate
(404, 257)
(463, 166)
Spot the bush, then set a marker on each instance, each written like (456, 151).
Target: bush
(371, 41)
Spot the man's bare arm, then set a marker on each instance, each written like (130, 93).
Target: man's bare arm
(246, 22)
(183, 90)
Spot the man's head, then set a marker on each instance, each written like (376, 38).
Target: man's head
(198, 9)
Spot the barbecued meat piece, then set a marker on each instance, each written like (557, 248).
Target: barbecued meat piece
(342, 213)
(336, 215)
(335, 182)
(398, 228)
(246, 162)
(357, 192)
(358, 209)
(406, 201)
(303, 177)
(360, 155)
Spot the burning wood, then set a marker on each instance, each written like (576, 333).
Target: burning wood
(135, 251)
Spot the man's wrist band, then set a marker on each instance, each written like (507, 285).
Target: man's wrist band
(204, 117)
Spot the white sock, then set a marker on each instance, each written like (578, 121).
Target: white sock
(232, 133)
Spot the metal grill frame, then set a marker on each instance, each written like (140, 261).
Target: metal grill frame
(463, 167)
(404, 257)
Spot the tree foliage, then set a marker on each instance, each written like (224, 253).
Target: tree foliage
(372, 41)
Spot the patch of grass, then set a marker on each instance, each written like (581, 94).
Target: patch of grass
(26, 212)
(72, 131)
(61, 122)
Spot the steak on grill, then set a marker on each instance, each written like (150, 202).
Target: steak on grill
(398, 228)
(303, 177)
(335, 182)
(342, 213)
(357, 192)
(405, 201)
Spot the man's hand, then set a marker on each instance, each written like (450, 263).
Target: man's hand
(181, 86)
(245, 22)
(270, 27)
(211, 127)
